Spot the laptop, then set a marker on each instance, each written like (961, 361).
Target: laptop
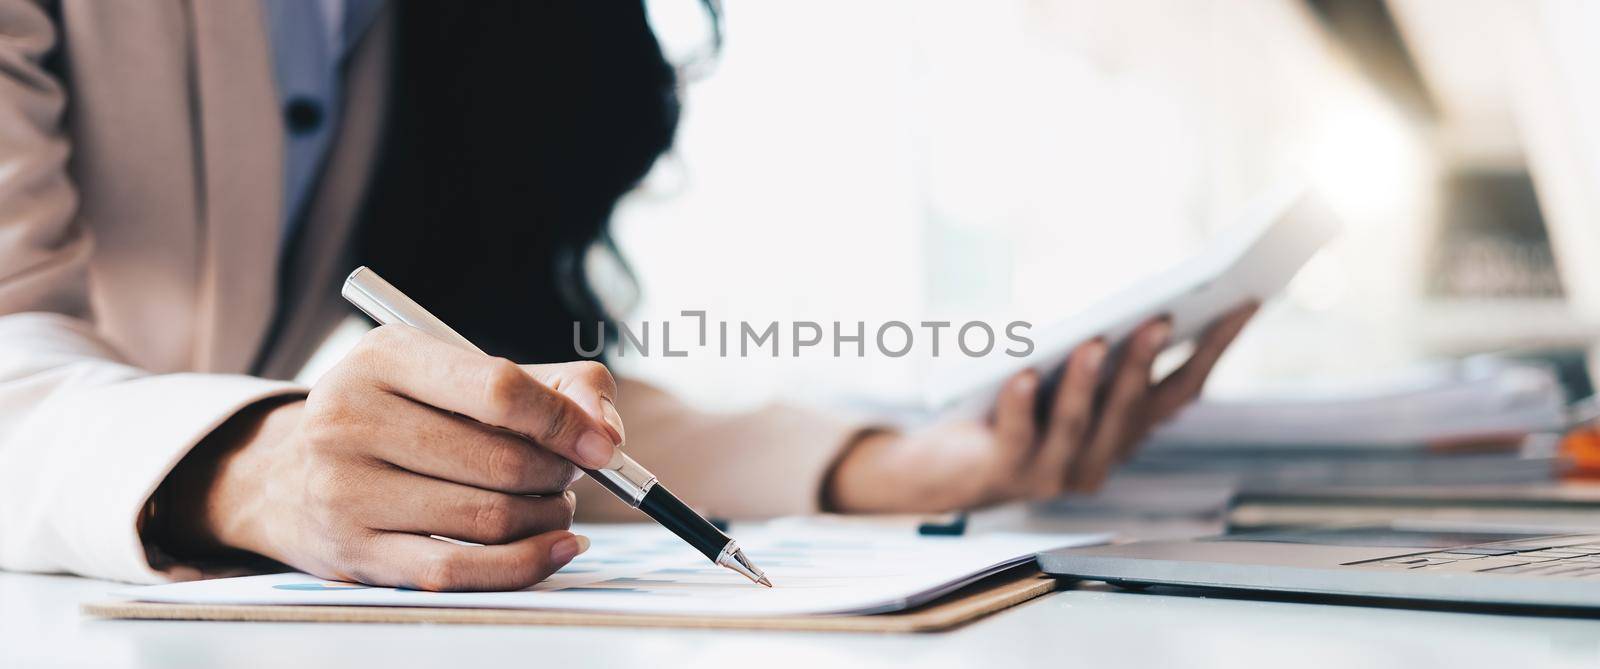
(1475, 567)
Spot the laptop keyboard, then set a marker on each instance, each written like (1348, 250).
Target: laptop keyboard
(1565, 557)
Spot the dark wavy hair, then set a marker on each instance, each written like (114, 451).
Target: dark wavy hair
(514, 127)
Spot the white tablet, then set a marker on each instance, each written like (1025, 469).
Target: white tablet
(1252, 260)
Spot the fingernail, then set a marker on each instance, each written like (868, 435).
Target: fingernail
(1025, 383)
(567, 549)
(614, 419)
(595, 449)
(1157, 335)
(1093, 356)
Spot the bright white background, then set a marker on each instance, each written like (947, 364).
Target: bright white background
(1017, 159)
(1006, 160)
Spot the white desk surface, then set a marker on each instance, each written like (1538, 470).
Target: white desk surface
(1094, 627)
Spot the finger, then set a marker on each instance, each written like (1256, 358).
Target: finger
(589, 384)
(449, 447)
(1013, 423)
(495, 391)
(1066, 435)
(430, 506)
(1184, 385)
(422, 563)
(1120, 413)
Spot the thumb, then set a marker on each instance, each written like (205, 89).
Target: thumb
(589, 385)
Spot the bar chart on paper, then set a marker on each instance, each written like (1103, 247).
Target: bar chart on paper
(645, 569)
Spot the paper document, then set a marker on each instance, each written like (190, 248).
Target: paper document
(1254, 260)
(645, 569)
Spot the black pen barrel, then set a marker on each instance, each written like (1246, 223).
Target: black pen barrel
(660, 504)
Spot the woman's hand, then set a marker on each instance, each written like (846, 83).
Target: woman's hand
(394, 445)
(1016, 454)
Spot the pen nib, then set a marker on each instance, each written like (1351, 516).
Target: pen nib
(734, 558)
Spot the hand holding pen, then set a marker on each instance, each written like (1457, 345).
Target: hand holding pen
(407, 437)
(410, 436)
(619, 474)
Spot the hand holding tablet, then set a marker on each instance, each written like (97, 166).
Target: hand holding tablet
(1060, 418)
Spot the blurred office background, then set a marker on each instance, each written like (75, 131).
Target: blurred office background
(1018, 159)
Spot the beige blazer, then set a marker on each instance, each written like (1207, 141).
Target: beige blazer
(140, 209)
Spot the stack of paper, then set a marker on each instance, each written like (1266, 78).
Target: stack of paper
(1432, 405)
(1474, 421)
(1556, 508)
(646, 570)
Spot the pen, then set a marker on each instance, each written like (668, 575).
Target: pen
(625, 478)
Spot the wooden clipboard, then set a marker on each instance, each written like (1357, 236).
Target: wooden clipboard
(993, 594)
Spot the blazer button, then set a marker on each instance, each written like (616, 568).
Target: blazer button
(303, 115)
